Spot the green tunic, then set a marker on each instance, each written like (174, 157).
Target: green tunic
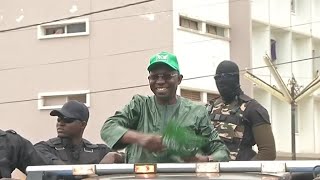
(145, 115)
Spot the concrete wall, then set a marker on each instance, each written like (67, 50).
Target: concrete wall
(114, 55)
(240, 45)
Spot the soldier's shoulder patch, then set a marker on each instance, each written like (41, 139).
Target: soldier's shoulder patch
(243, 106)
(89, 144)
(11, 131)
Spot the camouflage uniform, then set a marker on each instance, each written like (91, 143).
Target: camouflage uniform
(233, 126)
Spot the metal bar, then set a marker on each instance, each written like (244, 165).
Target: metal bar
(115, 168)
(176, 167)
(293, 121)
(293, 131)
(35, 175)
(240, 166)
(311, 88)
(232, 166)
(265, 86)
(278, 78)
(62, 169)
(301, 166)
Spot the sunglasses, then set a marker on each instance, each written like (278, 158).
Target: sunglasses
(166, 77)
(66, 120)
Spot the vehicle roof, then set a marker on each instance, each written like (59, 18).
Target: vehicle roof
(184, 176)
(210, 170)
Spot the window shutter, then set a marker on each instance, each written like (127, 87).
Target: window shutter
(211, 96)
(188, 23)
(192, 95)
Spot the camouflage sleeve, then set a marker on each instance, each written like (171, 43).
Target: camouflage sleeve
(215, 147)
(256, 114)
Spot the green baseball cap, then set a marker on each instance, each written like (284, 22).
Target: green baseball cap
(164, 58)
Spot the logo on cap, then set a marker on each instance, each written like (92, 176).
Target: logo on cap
(163, 57)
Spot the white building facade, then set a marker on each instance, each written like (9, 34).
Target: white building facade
(201, 41)
(288, 32)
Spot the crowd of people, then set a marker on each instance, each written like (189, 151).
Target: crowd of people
(230, 125)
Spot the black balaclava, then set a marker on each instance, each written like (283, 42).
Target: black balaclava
(227, 80)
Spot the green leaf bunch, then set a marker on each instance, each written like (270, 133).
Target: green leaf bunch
(181, 141)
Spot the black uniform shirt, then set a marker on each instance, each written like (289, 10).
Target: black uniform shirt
(60, 151)
(16, 152)
(255, 115)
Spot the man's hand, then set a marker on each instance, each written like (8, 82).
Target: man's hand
(153, 143)
(112, 157)
(196, 158)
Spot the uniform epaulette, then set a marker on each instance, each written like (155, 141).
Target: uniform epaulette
(245, 98)
(55, 141)
(102, 145)
(89, 144)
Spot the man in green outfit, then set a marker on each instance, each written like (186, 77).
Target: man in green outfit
(139, 126)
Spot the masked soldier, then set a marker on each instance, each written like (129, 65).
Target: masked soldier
(240, 120)
(16, 152)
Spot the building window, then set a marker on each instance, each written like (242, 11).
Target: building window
(192, 95)
(201, 97)
(198, 96)
(188, 23)
(211, 96)
(54, 30)
(215, 30)
(293, 6)
(203, 27)
(273, 49)
(74, 27)
(53, 100)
